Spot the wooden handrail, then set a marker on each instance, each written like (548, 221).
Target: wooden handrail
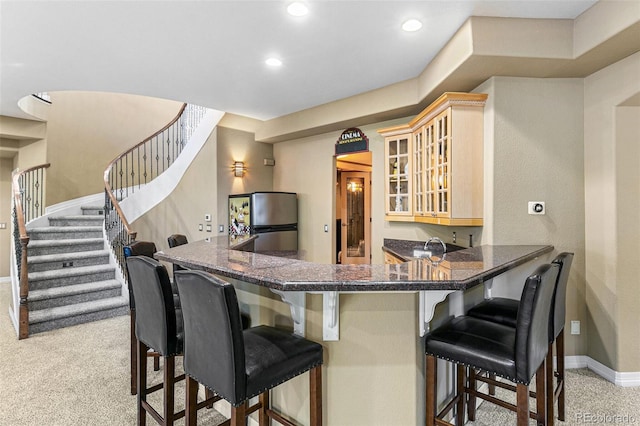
(109, 190)
(23, 315)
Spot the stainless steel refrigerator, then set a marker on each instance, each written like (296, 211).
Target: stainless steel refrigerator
(273, 216)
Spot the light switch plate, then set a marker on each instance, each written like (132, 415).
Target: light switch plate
(200, 227)
(207, 217)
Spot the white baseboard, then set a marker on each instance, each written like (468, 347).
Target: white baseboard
(624, 379)
(5, 280)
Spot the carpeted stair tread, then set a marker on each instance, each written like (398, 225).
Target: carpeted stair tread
(70, 290)
(67, 256)
(66, 229)
(64, 242)
(96, 217)
(77, 309)
(69, 272)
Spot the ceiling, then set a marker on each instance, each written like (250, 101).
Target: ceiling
(212, 53)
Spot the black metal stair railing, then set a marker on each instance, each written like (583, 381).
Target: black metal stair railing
(138, 166)
(28, 203)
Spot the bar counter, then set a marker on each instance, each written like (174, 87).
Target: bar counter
(459, 270)
(369, 318)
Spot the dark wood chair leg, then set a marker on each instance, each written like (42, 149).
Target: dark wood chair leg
(208, 394)
(460, 384)
(315, 390)
(560, 369)
(541, 400)
(522, 404)
(492, 388)
(263, 419)
(168, 389)
(134, 352)
(549, 385)
(471, 403)
(239, 415)
(431, 379)
(142, 381)
(191, 400)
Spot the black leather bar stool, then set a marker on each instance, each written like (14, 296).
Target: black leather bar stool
(159, 326)
(505, 311)
(176, 240)
(514, 353)
(138, 248)
(237, 364)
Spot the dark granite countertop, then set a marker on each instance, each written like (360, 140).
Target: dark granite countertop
(459, 270)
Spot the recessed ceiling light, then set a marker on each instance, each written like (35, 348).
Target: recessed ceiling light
(297, 9)
(273, 62)
(412, 25)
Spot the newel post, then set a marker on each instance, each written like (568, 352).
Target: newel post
(23, 326)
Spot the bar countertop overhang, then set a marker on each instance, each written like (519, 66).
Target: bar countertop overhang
(458, 270)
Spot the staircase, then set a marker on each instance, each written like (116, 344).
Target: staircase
(70, 278)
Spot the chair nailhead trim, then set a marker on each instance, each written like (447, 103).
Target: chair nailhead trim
(477, 368)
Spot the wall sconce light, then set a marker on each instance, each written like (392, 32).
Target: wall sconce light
(238, 168)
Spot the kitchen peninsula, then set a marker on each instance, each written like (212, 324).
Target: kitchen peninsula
(369, 318)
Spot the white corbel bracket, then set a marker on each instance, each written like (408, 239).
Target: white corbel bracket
(298, 305)
(330, 309)
(427, 305)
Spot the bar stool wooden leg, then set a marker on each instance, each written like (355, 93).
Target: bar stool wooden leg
(263, 419)
(549, 385)
(315, 388)
(209, 394)
(191, 401)
(560, 363)
(471, 403)
(239, 415)
(168, 388)
(142, 382)
(522, 397)
(460, 384)
(431, 377)
(541, 400)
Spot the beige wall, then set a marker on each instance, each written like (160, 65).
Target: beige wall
(534, 152)
(96, 127)
(6, 166)
(611, 215)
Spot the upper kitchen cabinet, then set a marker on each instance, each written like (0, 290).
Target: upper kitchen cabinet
(445, 164)
(398, 173)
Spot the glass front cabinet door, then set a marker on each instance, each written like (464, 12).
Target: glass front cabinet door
(444, 176)
(398, 175)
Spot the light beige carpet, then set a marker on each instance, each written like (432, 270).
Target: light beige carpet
(73, 376)
(80, 376)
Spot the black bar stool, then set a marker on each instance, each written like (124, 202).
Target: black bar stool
(159, 326)
(505, 311)
(138, 248)
(238, 365)
(176, 240)
(515, 353)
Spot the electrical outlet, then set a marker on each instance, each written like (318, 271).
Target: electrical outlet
(575, 327)
(207, 217)
(536, 207)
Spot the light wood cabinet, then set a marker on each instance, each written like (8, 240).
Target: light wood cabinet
(445, 163)
(398, 173)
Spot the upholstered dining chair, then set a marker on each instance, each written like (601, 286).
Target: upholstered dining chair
(505, 311)
(514, 353)
(159, 326)
(239, 364)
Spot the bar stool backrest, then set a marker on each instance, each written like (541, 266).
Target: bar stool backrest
(138, 248)
(156, 324)
(532, 327)
(176, 240)
(559, 299)
(213, 334)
